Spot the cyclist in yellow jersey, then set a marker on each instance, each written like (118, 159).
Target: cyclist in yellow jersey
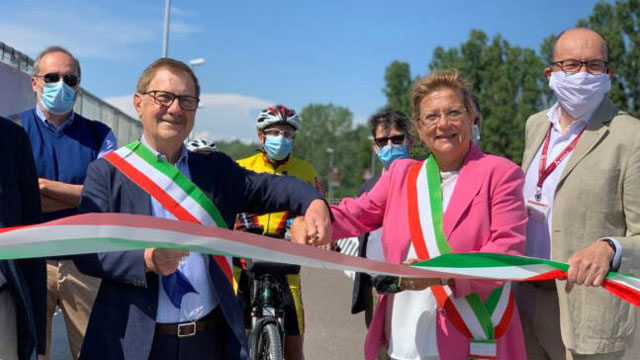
(277, 128)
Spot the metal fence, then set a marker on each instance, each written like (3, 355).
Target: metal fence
(125, 127)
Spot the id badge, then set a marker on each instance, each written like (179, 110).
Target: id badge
(537, 210)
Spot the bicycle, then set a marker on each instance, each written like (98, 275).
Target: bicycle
(266, 300)
(266, 337)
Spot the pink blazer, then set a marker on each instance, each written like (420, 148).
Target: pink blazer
(486, 213)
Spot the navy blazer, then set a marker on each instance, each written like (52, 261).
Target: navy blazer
(122, 321)
(20, 205)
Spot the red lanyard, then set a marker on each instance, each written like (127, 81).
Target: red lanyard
(543, 170)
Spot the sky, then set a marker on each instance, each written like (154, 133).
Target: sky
(259, 53)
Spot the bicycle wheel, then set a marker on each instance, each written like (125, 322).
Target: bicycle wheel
(269, 344)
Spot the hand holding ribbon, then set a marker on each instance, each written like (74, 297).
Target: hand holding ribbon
(163, 262)
(315, 227)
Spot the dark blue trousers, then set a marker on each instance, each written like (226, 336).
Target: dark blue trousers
(207, 344)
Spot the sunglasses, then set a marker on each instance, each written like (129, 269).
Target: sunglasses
(69, 79)
(383, 141)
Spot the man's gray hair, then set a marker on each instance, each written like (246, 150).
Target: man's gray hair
(52, 49)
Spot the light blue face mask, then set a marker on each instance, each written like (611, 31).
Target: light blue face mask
(278, 147)
(389, 153)
(58, 98)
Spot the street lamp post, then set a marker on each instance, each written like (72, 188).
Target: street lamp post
(196, 62)
(192, 64)
(330, 174)
(165, 43)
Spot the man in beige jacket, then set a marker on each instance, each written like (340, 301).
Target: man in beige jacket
(582, 189)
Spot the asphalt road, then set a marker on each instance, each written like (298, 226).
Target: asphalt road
(331, 331)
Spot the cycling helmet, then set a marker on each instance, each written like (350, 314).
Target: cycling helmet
(278, 115)
(201, 145)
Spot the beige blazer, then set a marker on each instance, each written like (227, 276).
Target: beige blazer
(598, 195)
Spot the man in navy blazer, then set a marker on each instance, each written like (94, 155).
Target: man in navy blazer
(129, 317)
(23, 286)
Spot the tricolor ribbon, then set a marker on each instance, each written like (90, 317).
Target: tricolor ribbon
(174, 191)
(90, 233)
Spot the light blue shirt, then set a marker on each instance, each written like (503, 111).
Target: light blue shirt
(194, 267)
(108, 145)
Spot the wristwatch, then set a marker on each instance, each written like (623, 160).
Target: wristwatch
(613, 246)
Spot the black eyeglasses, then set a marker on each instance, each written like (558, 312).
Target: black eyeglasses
(573, 66)
(383, 141)
(69, 79)
(165, 98)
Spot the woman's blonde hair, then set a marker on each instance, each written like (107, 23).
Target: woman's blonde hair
(438, 80)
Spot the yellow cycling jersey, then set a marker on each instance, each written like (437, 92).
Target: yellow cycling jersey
(275, 223)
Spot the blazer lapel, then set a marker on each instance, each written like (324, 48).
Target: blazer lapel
(139, 199)
(539, 132)
(467, 187)
(596, 129)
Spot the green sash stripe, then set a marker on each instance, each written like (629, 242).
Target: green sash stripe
(180, 180)
(493, 299)
(435, 200)
(435, 196)
(482, 314)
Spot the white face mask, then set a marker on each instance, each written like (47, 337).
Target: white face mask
(580, 93)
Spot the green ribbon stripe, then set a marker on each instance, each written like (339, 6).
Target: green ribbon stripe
(480, 259)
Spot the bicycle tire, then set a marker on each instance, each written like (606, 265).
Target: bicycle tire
(269, 344)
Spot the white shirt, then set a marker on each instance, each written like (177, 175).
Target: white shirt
(410, 322)
(194, 267)
(539, 230)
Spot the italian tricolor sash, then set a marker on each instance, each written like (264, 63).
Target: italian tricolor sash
(172, 189)
(481, 321)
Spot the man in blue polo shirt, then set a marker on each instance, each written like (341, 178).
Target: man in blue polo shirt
(64, 143)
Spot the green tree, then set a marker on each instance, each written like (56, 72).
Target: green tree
(236, 149)
(398, 85)
(326, 126)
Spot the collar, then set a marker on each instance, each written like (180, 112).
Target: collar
(50, 124)
(276, 165)
(182, 160)
(554, 119)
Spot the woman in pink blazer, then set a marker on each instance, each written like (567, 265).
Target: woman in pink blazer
(483, 211)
